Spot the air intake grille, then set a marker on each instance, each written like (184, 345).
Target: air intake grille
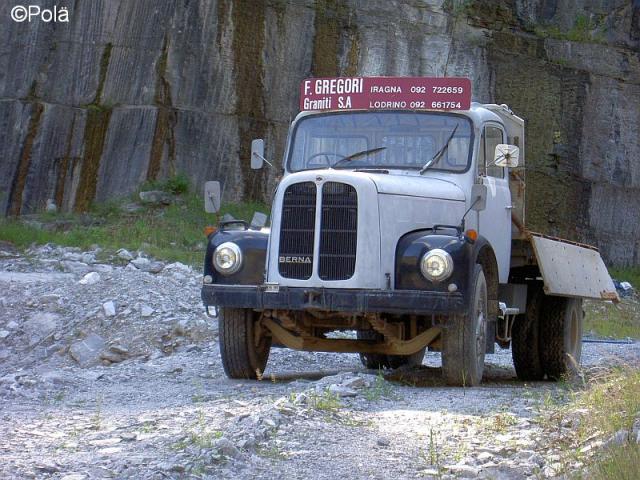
(295, 259)
(338, 231)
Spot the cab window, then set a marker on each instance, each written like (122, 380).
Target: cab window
(491, 137)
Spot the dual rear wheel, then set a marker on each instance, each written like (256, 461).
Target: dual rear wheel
(547, 339)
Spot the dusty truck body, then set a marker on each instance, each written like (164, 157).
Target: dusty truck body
(400, 216)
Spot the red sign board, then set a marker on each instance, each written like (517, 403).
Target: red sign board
(385, 93)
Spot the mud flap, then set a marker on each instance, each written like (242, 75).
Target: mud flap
(572, 270)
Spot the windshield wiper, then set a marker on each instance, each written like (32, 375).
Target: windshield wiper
(439, 153)
(358, 154)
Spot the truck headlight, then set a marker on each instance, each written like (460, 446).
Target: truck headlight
(436, 265)
(227, 258)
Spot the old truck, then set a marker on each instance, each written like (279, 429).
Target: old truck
(400, 216)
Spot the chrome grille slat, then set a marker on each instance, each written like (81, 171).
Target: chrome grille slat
(297, 230)
(338, 231)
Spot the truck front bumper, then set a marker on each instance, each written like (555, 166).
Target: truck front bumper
(333, 299)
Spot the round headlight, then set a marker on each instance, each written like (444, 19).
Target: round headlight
(227, 258)
(436, 265)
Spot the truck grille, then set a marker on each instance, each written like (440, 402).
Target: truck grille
(295, 259)
(338, 231)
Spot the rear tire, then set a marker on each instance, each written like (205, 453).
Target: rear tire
(241, 357)
(525, 341)
(464, 338)
(377, 361)
(561, 336)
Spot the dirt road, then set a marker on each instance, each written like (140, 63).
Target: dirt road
(117, 375)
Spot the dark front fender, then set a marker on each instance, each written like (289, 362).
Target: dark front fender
(252, 243)
(412, 247)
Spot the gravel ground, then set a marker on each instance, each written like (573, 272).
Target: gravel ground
(117, 374)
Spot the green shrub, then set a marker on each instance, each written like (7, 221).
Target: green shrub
(178, 184)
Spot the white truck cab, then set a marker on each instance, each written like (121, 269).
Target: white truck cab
(407, 226)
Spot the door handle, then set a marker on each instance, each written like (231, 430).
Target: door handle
(509, 207)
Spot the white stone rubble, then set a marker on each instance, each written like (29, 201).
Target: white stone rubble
(123, 379)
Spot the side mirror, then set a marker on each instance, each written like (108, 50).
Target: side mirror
(257, 154)
(478, 197)
(212, 197)
(506, 156)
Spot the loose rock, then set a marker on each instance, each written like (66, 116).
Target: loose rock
(124, 254)
(90, 278)
(156, 197)
(109, 308)
(227, 448)
(87, 352)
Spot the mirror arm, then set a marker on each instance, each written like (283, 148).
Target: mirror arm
(263, 159)
(462, 220)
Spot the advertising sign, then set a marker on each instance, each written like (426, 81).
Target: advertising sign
(385, 93)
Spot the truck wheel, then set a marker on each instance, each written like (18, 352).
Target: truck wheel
(561, 336)
(241, 357)
(464, 338)
(377, 361)
(525, 339)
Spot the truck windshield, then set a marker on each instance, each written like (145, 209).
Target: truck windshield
(387, 140)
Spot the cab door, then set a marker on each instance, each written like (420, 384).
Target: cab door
(494, 223)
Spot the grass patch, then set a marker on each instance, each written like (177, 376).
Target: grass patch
(198, 434)
(609, 403)
(620, 320)
(272, 451)
(379, 389)
(629, 274)
(620, 463)
(613, 321)
(612, 402)
(501, 422)
(325, 401)
(171, 233)
(178, 185)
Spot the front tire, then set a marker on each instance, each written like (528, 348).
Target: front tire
(464, 338)
(242, 356)
(525, 341)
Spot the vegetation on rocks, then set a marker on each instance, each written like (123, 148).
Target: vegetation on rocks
(620, 320)
(598, 425)
(584, 30)
(168, 232)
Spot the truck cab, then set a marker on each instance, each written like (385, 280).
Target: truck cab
(403, 225)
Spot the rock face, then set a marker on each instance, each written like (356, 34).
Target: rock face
(135, 90)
